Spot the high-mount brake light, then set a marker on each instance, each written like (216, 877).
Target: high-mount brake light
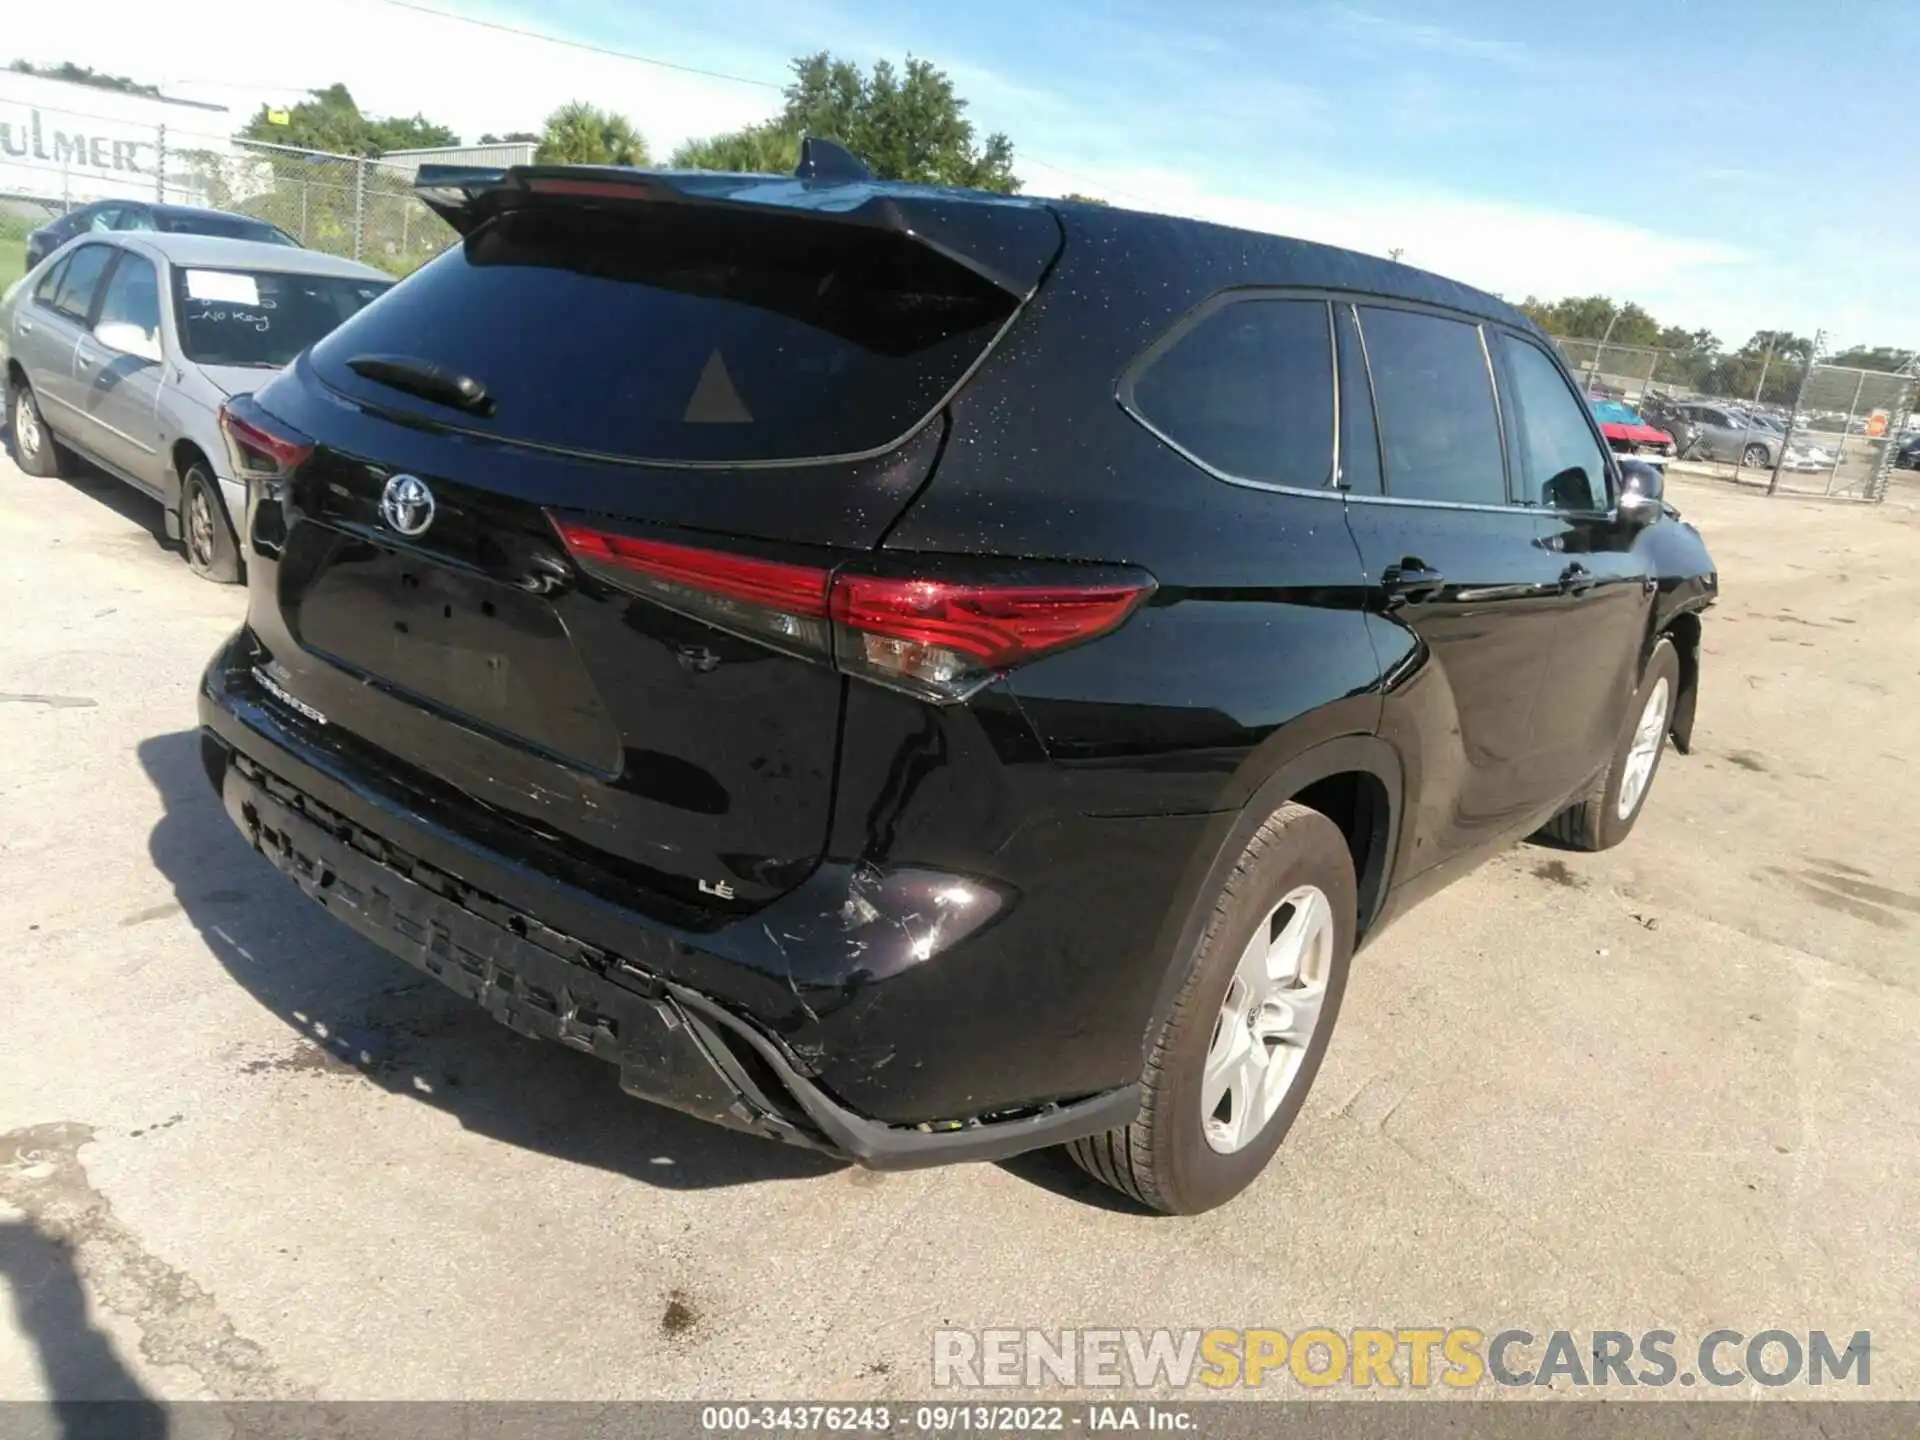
(937, 639)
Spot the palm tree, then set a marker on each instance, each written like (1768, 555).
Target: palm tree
(582, 134)
(757, 150)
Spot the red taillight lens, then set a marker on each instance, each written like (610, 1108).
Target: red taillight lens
(947, 640)
(799, 589)
(938, 639)
(768, 600)
(257, 450)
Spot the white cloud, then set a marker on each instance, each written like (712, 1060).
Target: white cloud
(1511, 249)
(396, 62)
(1376, 31)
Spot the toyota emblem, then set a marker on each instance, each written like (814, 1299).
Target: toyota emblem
(407, 504)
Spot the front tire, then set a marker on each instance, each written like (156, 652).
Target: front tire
(1232, 1066)
(1755, 457)
(212, 552)
(1605, 815)
(33, 444)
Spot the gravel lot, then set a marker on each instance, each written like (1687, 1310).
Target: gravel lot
(244, 1154)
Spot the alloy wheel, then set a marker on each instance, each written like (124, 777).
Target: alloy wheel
(1648, 736)
(1267, 1020)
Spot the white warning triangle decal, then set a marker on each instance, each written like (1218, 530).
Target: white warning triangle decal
(715, 401)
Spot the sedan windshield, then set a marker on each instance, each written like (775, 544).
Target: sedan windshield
(261, 317)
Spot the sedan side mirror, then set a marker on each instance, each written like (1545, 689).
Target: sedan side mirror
(1642, 488)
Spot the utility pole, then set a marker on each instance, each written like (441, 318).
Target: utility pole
(1793, 419)
(1765, 361)
(1594, 364)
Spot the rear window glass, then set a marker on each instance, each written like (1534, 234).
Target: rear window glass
(1249, 391)
(1434, 398)
(687, 336)
(261, 317)
(231, 227)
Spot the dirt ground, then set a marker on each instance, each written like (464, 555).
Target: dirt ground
(244, 1154)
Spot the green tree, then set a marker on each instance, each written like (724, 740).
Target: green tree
(907, 124)
(757, 150)
(1779, 344)
(512, 137)
(84, 75)
(331, 120)
(1875, 357)
(1591, 317)
(582, 134)
(1078, 199)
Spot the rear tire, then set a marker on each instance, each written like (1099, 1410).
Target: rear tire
(33, 444)
(212, 552)
(1183, 1155)
(1596, 820)
(1755, 457)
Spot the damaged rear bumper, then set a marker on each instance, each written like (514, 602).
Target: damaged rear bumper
(672, 1043)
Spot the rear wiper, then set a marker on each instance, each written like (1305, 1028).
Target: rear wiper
(425, 379)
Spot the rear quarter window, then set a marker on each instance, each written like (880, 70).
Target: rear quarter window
(1247, 389)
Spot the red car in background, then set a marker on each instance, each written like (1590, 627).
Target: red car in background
(1628, 434)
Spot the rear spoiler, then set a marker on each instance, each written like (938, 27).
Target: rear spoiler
(1006, 240)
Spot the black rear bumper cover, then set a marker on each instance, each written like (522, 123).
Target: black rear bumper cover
(673, 1044)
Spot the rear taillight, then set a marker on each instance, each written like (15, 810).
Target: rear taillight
(784, 605)
(931, 636)
(259, 446)
(939, 639)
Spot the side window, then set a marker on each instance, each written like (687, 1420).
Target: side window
(1248, 390)
(130, 310)
(49, 285)
(134, 217)
(1564, 465)
(1439, 430)
(75, 296)
(1359, 440)
(104, 218)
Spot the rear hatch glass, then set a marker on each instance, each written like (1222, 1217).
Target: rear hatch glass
(682, 335)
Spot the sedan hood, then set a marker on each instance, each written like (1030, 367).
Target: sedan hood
(1641, 434)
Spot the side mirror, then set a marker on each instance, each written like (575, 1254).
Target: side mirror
(127, 339)
(1642, 488)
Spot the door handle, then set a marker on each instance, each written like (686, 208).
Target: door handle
(1576, 579)
(1411, 581)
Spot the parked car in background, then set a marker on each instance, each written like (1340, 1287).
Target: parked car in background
(1713, 430)
(844, 717)
(121, 348)
(105, 216)
(1628, 434)
(1907, 457)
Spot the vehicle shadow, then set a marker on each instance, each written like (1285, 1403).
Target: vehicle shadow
(125, 501)
(86, 1379)
(350, 1008)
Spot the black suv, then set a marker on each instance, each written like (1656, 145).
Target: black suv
(139, 215)
(929, 675)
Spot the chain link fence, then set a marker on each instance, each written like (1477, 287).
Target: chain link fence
(1762, 419)
(54, 158)
(345, 205)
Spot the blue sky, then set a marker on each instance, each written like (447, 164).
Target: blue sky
(1728, 165)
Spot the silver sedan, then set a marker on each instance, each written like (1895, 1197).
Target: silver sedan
(121, 348)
